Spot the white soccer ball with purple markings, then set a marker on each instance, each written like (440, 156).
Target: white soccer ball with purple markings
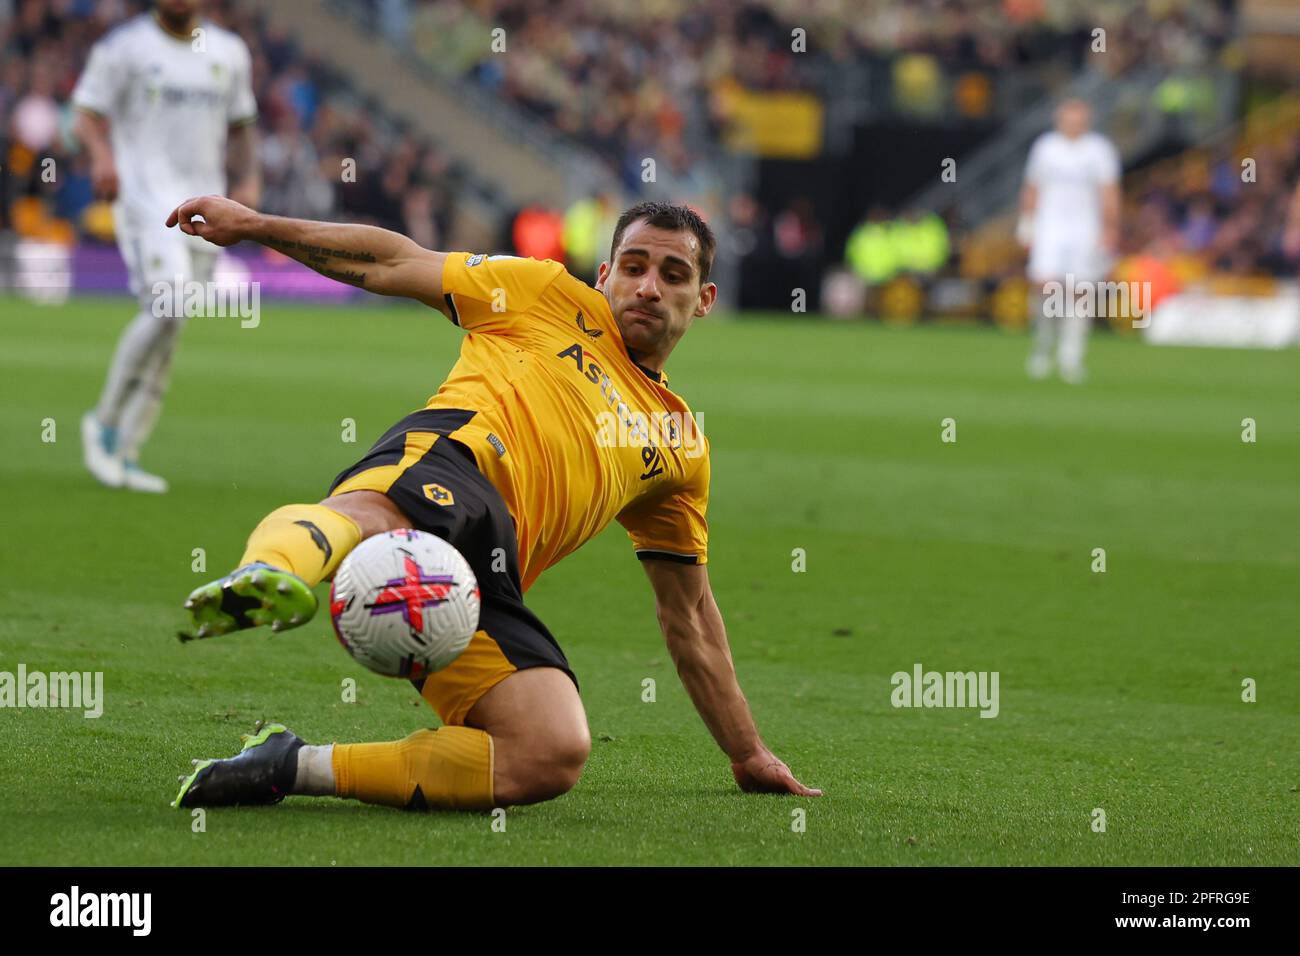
(404, 603)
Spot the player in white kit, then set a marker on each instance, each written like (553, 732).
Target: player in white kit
(1069, 219)
(165, 101)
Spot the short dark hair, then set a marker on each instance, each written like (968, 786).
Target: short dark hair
(674, 217)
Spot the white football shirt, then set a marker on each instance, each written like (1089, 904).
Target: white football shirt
(169, 102)
(1069, 174)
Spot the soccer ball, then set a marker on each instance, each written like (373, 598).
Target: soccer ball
(405, 603)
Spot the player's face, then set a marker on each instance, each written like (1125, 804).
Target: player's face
(177, 10)
(1074, 119)
(653, 287)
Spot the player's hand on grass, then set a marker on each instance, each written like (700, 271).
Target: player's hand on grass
(221, 221)
(103, 178)
(764, 772)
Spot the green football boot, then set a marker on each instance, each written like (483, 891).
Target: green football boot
(250, 596)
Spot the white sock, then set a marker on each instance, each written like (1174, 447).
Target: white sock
(1045, 328)
(132, 354)
(1074, 341)
(315, 776)
(140, 412)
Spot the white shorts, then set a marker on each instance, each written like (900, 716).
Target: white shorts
(1060, 255)
(155, 254)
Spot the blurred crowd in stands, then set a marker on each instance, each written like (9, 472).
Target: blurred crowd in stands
(310, 123)
(634, 77)
(626, 76)
(1225, 207)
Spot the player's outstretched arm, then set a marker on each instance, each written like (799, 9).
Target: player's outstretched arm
(697, 641)
(1025, 223)
(92, 130)
(371, 258)
(1110, 209)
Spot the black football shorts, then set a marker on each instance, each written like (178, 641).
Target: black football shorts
(436, 483)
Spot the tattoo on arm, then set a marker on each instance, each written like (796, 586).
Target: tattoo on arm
(324, 260)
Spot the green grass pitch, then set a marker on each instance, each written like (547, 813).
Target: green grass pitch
(1119, 690)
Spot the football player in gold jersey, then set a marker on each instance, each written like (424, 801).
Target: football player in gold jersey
(556, 419)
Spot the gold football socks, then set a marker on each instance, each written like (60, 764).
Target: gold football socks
(307, 540)
(446, 769)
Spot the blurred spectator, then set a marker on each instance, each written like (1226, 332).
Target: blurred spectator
(880, 248)
(1205, 207)
(538, 232)
(588, 224)
(797, 233)
(870, 253)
